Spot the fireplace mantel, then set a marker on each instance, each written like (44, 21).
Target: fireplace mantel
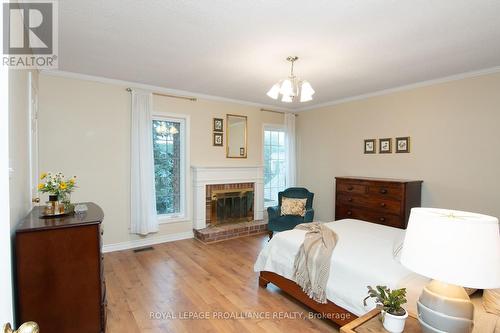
(203, 176)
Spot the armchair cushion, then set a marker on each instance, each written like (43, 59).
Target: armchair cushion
(283, 223)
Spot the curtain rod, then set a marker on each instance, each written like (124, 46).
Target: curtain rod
(192, 99)
(274, 111)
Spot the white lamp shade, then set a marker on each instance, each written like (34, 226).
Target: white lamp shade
(286, 88)
(307, 89)
(274, 91)
(454, 247)
(287, 99)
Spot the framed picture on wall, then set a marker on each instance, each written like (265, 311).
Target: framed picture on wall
(218, 125)
(370, 146)
(385, 146)
(218, 139)
(403, 144)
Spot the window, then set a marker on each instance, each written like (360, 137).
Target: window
(274, 164)
(169, 166)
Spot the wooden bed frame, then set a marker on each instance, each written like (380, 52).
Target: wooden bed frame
(381, 193)
(331, 311)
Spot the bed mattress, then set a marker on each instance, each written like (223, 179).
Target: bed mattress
(364, 255)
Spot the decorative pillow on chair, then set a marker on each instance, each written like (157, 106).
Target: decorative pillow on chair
(292, 206)
(491, 301)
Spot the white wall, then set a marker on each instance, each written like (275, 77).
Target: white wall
(454, 128)
(19, 155)
(85, 131)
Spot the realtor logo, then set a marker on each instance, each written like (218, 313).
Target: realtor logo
(30, 34)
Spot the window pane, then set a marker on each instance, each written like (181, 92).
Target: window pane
(274, 165)
(167, 166)
(274, 138)
(267, 137)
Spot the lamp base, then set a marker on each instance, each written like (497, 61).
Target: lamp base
(445, 307)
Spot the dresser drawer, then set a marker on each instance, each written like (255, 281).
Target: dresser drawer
(378, 203)
(384, 191)
(351, 188)
(351, 212)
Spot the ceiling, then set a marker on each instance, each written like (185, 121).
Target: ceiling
(237, 49)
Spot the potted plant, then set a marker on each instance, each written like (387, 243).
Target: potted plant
(393, 315)
(59, 189)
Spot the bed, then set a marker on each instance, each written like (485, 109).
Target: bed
(366, 254)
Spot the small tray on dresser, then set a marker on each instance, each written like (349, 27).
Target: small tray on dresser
(370, 323)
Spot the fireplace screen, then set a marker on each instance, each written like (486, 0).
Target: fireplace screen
(232, 205)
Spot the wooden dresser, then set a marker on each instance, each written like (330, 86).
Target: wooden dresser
(382, 201)
(60, 278)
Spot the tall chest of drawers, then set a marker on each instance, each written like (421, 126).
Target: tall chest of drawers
(60, 278)
(382, 201)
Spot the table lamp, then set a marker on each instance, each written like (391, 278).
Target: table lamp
(456, 249)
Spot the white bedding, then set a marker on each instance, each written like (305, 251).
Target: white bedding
(363, 256)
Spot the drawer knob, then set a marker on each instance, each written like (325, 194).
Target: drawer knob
(383, 190)
(350, 188)
(382, 204)
(350, 199)
(349, 213)
(382, 219)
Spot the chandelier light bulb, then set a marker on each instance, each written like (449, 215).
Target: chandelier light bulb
(307, 89)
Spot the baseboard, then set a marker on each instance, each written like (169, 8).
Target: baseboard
(132, 244)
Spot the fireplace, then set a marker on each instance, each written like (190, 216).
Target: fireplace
(229, 203)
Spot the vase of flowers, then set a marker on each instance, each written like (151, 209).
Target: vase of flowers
(393, 315)
(59, 189)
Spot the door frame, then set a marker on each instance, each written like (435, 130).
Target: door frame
(33, 136)
(6, 301)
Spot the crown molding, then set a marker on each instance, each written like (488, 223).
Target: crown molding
(130, 84)
(421, 84)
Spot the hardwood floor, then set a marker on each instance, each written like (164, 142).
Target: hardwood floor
(182, 279)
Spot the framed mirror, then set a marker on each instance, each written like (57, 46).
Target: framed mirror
(236, 137)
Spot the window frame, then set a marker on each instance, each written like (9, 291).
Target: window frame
(185, 212)
(269, 127)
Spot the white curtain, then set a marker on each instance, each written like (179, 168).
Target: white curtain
(290, 150)
(143, 211)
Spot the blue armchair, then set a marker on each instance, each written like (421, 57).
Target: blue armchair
(287, 222)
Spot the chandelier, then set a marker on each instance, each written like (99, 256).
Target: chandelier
(292, 87)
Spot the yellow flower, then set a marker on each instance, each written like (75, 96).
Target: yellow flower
(63, 186)
(72, 181)
(43, 175)
(41, 186)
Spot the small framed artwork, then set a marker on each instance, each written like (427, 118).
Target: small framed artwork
(218, 139)
(370, 146)
(385, 146)
(218, 125)
(242, 151)
(403, 144)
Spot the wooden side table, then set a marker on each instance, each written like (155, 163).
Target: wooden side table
(370, 323)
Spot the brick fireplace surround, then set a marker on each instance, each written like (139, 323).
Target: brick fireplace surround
(207, 179)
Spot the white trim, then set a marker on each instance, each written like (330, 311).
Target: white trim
(415, 85)
(203, 176)
(130, 84)
(148, 241)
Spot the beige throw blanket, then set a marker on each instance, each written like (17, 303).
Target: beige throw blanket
(312, 263)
